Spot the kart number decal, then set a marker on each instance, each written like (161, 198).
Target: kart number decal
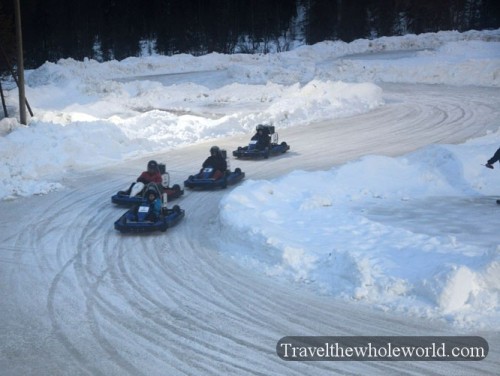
(165, 180)
(143, 209)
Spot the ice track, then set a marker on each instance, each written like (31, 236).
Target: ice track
(78, 298)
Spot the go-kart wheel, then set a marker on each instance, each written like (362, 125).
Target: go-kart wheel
(163, 228)
(176, 209)
(176, 187)
(237, 170)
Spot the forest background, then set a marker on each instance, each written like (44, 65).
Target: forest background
(116, 29)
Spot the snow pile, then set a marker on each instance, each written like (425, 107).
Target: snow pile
(466, 63)
(133, 119)
(339, 234)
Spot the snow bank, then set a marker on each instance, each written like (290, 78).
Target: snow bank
(339, 236)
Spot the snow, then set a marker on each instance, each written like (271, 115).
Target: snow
(140, 106)
(335, 230)
(415, 233)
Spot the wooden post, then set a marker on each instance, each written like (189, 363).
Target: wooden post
(9, 66)
(20, 64)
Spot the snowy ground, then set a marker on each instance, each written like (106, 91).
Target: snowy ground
(380, 210)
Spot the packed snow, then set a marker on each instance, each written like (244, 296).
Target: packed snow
(407, 233)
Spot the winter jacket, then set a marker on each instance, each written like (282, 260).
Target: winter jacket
(155, 207)
(148, 177)
(217, 162)
(262, 140)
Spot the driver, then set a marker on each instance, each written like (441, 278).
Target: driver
(153, 201)
(262, 139)
(151, 175)
(154, 205)
(217, 162)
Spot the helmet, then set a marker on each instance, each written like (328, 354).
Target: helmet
(214, 150)
(152, 165)
(151, 192)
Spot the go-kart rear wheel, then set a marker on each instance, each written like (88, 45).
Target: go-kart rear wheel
(176, 209)
(176, 187)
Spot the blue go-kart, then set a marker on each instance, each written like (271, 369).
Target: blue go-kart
(205, 180)
(263, 145)
(140, 218)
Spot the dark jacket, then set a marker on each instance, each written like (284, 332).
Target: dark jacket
(495, 158)
(217, 162)
(262, 139)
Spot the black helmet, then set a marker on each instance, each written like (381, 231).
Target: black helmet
(152, 165)
(214, 150)
(151, 191)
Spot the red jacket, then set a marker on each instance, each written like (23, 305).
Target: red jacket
(147, 177)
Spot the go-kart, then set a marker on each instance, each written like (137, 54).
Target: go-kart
(256, 150)
(205, 180)
(133, 195)
(141, 219)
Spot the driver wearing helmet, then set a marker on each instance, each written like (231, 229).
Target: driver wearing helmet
(153, 201)
(154, 205)
(217, 162)
(262, 139)
(151, 175)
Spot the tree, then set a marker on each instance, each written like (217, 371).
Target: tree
(115, 29)
(7, 39)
